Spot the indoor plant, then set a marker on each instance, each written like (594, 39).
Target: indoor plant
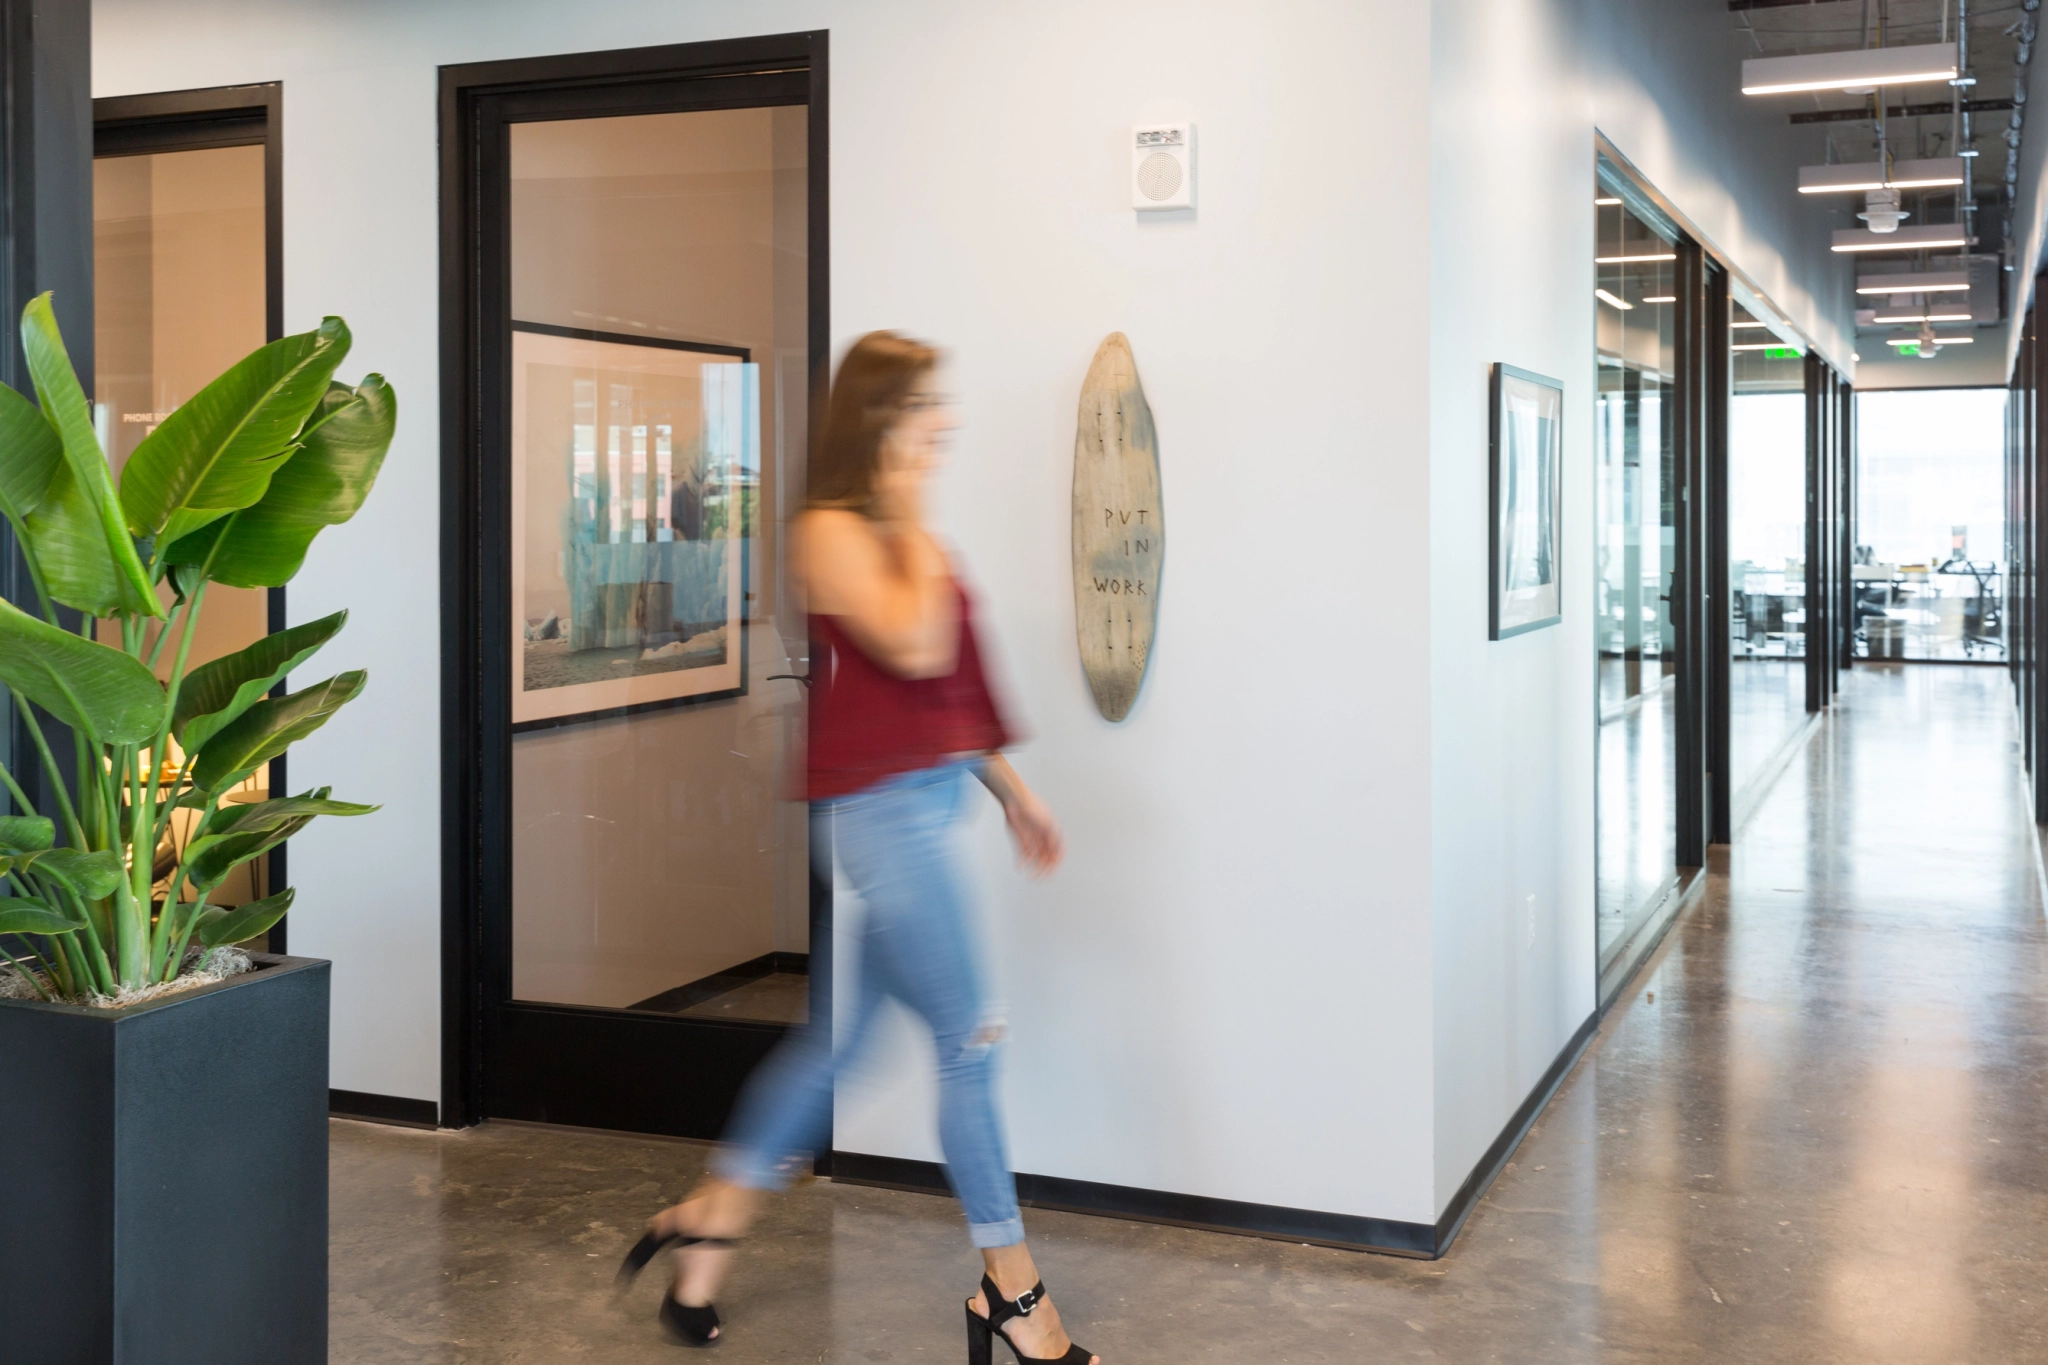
(232, 487)
(163, 1122)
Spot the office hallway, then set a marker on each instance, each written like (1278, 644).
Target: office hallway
(1812, 1131)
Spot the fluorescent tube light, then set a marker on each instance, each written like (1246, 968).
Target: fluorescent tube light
(1920, 282)
(1862, 176)
(1931, 235)
(1858, 68)
(1939, 341)
(1630, 260)
(1762, 346)
(1749, 324)
(1610, 300)
(1921, 317)
(1605, 203)
(1660, 298)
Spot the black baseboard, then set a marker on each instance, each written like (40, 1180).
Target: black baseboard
(1348, 1231)
(1351, 1232)
(358, 1104)
(1496, 1158)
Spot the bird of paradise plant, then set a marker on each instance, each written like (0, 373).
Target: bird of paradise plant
(230, 488)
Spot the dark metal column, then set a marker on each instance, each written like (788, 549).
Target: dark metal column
(45, 243)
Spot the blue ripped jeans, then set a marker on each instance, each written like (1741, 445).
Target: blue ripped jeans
(895, 843)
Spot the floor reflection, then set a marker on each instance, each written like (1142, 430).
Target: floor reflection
(1811, 1132)
(1637, 794)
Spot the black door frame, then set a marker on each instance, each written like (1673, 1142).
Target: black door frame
(191, 120)
(499, 1057)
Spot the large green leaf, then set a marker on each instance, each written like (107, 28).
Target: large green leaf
(323, 485)
(91, 875)
(261, 817)
(21, 915)
(77, 534)
(236, 834)
(26, 833)
(268, 728)
(244, 922)
(216, 693)
(87, 685)
(30, 451)
(209, 859)
(217, 452)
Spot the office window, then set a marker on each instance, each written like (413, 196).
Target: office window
(1930, 524)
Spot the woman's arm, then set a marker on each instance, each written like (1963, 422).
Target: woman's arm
(1031, 821)
(892, 593)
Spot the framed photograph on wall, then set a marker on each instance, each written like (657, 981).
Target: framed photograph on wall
(1527, 508)
(635, 475)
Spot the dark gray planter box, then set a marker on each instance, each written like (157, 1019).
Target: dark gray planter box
(163, 1176)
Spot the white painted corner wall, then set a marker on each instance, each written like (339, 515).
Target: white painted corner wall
(1290, 959)
(1519, 89)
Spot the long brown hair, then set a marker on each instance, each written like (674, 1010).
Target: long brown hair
(868, 396)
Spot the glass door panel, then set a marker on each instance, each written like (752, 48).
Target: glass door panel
(1766, 549)
(181, 292)
(659, 862)
(1634, 558)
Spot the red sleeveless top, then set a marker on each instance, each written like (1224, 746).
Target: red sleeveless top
(867, 723)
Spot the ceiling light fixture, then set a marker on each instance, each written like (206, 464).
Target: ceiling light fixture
(1749, 324)
(1605, 203)
(1631, 260)
(1931, 236)
(1660, 298)
(1863, 176)
(1939, 341)
(1883, 318)
(1611, 301)
(1859, 68)
(1763, 346)
(1920, 282)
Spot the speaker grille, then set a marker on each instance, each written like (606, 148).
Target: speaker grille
(1159, 176)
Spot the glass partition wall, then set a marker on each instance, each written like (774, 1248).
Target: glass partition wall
(1767, 434)
(1635, 559)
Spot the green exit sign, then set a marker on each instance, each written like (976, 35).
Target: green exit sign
(1782, 352)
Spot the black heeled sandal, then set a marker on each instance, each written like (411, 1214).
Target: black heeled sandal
(982, 1331)
(692, 1326)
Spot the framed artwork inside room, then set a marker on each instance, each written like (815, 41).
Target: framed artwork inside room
(1526, 525)
(636, 464)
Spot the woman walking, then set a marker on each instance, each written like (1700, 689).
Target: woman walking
(901, 721)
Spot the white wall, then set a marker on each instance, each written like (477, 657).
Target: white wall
(1250, 981)
(1222, 993)
(1519, 89)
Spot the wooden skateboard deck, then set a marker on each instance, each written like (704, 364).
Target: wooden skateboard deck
(1119, 528)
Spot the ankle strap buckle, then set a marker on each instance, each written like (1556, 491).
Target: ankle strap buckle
(1028, 1300)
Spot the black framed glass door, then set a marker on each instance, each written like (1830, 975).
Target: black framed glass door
(642, 331)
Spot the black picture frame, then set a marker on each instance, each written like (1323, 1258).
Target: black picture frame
(1505, 616)
(738, 624)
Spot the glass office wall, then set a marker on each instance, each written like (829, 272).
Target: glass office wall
(1930, 569)
(658, 354)
(180, 295)
(1767, 418)
(1634, 559)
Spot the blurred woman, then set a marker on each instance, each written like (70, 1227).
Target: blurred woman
(901, 719)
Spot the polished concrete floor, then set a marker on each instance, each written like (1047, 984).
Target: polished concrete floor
(1812, 1131)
